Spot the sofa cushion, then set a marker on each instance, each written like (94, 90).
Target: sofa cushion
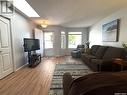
(113, 52)
(94, 49)
(100, 51)
(102, 64)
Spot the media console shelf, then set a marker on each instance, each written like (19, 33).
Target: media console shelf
(34, 59)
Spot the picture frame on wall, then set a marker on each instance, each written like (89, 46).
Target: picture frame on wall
(110, 31)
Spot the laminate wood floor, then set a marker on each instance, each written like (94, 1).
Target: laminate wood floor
(33, 81)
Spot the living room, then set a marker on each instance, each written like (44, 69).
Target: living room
(60, 27)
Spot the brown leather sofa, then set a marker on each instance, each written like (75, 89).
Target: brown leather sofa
(100, 58)
(96, 84)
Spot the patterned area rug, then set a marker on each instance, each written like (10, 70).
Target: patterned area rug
(76, 70)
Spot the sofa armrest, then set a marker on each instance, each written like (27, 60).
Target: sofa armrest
(67, 79)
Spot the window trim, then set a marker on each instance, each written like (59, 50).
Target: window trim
(52, 40)
(63, 34)
(73, 34)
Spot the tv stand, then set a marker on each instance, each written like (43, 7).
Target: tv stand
(34, 59)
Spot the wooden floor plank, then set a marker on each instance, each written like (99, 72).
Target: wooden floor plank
(32, 81)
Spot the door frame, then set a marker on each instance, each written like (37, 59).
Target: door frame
(11, 41)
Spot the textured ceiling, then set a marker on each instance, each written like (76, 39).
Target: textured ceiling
(75, 13)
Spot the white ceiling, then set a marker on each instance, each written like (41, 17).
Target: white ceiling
(75, 13)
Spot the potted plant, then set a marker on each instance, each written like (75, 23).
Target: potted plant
(87, 44)
(125, 46)
(87, 50)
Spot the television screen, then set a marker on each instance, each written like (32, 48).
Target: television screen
(31, 44)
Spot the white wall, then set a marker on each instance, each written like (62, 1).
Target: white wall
(21, 28)
(95, 35)
(38, 34)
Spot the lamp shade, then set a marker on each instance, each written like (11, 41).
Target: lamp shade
(44, 24)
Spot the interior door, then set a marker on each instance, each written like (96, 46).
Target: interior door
(6, 66)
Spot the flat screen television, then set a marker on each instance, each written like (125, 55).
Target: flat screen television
(31, 44)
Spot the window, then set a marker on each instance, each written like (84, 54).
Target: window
(63, 40)
(48, 40)
(74, 39)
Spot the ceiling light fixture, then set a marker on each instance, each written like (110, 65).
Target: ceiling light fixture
(44, 24)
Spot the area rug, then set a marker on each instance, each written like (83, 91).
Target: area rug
(76, 70)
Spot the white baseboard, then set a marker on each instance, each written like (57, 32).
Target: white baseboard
(21, 67)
